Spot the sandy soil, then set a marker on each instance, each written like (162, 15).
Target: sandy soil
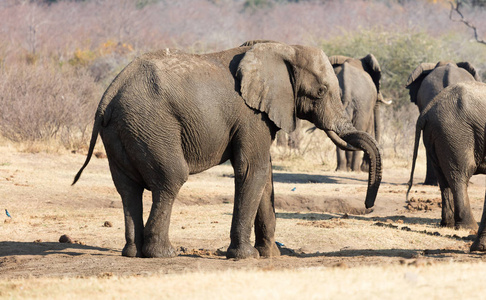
(321, 221)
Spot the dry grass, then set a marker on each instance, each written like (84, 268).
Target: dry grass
(445, 281)
(329, 255)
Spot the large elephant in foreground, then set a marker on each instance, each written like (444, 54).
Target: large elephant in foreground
(454, 125)
(359, 80)
(170, 114)
(426, 82)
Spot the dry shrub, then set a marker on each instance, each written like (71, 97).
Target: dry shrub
(44, 102)
(303, 150)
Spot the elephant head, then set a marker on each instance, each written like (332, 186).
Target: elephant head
(289, 82)
(368, 64)
(448, 72)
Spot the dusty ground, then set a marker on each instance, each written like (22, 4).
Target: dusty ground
(320, 220)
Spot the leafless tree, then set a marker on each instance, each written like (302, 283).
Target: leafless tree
(456, 7)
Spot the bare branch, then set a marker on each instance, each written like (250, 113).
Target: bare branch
(456, 8)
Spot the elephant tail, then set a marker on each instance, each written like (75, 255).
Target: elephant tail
(418, 130)
(94, 136)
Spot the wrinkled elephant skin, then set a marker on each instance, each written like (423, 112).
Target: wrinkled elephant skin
(170, 114)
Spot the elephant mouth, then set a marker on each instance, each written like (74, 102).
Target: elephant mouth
(362, 141)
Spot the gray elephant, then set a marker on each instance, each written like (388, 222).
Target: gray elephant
(427, 80)
(359, 80)
(170, 114)
(454, 125)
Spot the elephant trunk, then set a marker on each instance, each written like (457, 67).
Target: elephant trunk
(348, 138)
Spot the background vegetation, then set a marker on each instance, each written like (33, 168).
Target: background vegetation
(57, 57)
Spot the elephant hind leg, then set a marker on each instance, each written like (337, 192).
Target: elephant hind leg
(164, 191)
(463, 216)
(131, 194)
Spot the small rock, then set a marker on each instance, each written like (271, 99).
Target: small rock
(107, 224)
(100, 154)
(342, 265)
(65, 239)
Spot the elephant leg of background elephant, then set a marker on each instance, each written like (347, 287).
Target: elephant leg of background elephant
(480, 241)
(250, 180)
(349, 160)
(357, 157)
(265, 222)
(462, 209)
(365, 164)
(341, 160)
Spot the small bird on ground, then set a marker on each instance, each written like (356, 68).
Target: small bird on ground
(7, 213)
(293, 189)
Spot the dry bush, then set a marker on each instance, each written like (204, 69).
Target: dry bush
(94, 40)
(43, 102)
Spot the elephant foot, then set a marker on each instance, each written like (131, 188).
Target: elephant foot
(445, 222)
(159, 250)
(469, 224)
(478, 245)
(131, 250)
(268, 250)
(242, 252)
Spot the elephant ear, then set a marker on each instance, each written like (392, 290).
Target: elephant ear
(372, 67)
(420, 72)
(470, 68)
(266, 84)
(337, 60)
(415, 79)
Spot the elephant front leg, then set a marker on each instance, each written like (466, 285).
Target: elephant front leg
(156, 233)
(250, 181)
(265, 222)
(341, 160)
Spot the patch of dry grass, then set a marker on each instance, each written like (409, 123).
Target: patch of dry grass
(445, 281)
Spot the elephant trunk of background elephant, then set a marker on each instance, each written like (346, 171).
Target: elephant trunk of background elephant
(348, 138)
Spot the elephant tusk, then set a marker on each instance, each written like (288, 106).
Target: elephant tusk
(342, 144)
(381, 100)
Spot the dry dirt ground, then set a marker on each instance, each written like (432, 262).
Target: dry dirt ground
(321, 222)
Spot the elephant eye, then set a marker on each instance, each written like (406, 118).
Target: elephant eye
(321, 91)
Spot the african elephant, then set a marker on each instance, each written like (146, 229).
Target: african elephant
(454, 125)
(427, 80)
(359, 80)
(170, 114)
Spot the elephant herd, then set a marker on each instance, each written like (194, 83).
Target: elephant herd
(169, 114)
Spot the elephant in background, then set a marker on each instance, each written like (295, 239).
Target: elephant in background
(427, 80)
(170, 114)
(359, 80)
(453, 126)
